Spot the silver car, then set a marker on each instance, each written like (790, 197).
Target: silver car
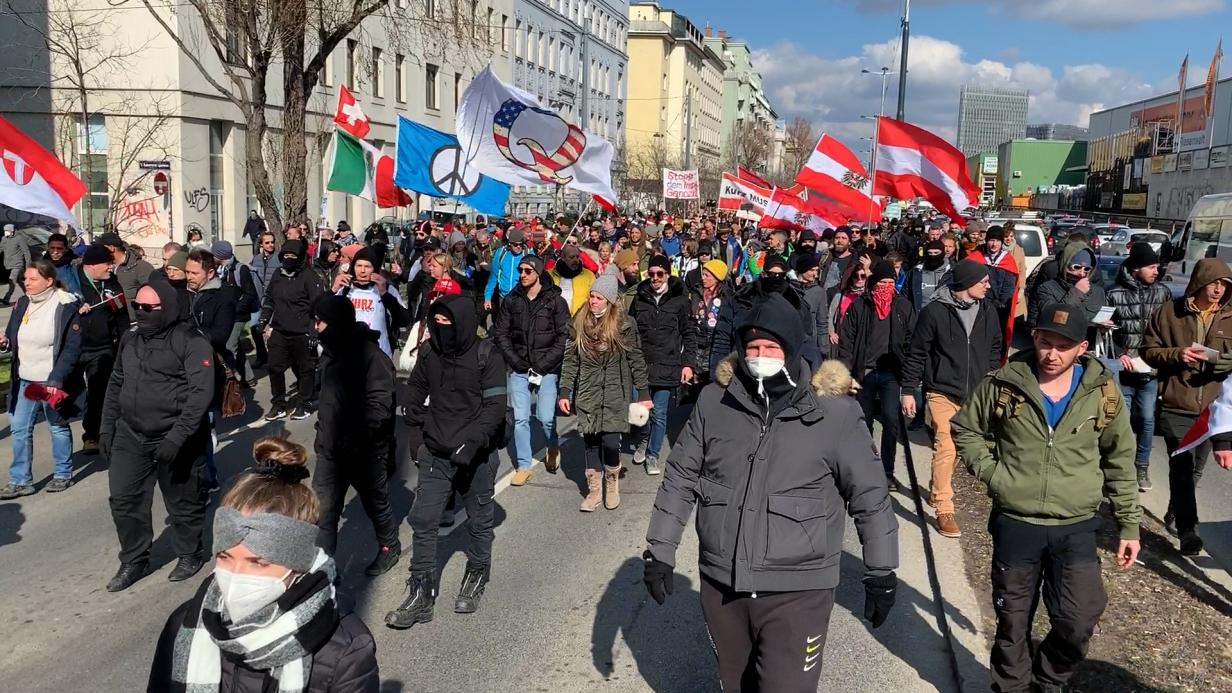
(1124, 238)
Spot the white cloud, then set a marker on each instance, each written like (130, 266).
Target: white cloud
(834, 94)
(1094, 15)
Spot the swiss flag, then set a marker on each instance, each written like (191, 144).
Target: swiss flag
(350, 116)
(33, 180)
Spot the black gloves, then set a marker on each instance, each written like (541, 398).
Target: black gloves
(658, 578)
(463, 454)
(879, 597)
(167, 452)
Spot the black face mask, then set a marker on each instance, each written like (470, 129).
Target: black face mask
(569, 268)
(772, 284)
(290, 263)
(808, 248)
(445, 337)
(149, 324)
(631, 278)
(933, 262)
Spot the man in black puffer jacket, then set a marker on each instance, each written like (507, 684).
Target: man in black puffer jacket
(661, 309)
(1136, 297)
(771, 501)
(104, 319)
(773, 280)
(286, 321)
(531, 331)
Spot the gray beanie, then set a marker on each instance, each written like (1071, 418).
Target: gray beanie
(605, 286)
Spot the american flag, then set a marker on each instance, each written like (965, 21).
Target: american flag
(546, 165)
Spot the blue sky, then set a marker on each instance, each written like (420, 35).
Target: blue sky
(1075, 56)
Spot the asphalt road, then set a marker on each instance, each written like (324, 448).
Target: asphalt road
(565, 611)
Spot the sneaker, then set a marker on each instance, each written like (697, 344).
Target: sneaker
(418, 605)
(1191, 543)
(521, 476)
(89, 446)
(1144, 480)
(947, 526)
(385, 560)
(11, 491)
(185, 568)
(473, 582)
(127, 576)
(639, 453)
(652, 466)
(57, 485)
(275, 414)
(300, 414)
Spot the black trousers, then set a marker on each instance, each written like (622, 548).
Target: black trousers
(1063, 561)
(96, 366)
(364, 471)
(297, 353)
(439, 479)
(769, 644)
(133, 474)
(1182, 472)
(602, 450)
(879, 398)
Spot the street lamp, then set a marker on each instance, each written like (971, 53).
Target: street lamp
(885, 73)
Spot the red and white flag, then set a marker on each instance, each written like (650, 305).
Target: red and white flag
(793, 213)
(350, 116)
(735, 192)
(745, 174)
(1215, 419)
(34, 180)
(913, 162)
(836, 172)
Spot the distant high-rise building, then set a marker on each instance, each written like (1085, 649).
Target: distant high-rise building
(1058, 131)
(988, 116)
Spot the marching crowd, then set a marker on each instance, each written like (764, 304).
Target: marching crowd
(787, 345)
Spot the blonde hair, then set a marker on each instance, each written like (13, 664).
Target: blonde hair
(263, 493)
(444, 260)
(596, 336)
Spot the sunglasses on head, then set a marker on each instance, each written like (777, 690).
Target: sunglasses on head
(147, 307)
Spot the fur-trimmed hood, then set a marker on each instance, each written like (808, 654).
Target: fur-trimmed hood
(831, 379)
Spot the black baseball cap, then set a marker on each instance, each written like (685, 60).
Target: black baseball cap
(1063, 319)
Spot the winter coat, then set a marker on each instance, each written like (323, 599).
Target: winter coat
(818, 300)
(253, 228)
(533, 334)
(161, 385)
(668, 334)
(287, 306)
(1050, 476)
(102, 326)
(856, 326)
(733, 313)
(771, 501)
(601, 385)
(239, 280)
(1186, 388)
(16, 251)
(706, 317)
(943, 356)
(914, 287)
(1061, 289)
(356, 410)
(132, 274)
(579, 287)
(345, 664)
(213, 312)
(66, 345)
(264, 267)
(1134, 304)
(504, 274)
(66, 272)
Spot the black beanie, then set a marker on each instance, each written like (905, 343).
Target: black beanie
(1141, 254)
(97, 254)
(881, 270)
(966, 274)
(365, 253)
(806, 262)
(334, 310)
(937, 245)
(774, 261)
(661, 262)
(774, 318)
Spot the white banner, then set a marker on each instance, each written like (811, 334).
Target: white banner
(681, 185)
(734, 192)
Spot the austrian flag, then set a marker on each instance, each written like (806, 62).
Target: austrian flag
(913, 162)
(834, 171)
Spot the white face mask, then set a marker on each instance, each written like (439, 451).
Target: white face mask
(763, 367)
(244, 595)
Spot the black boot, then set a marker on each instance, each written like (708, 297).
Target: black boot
(417, 608)
(473, 582)
(185, 568)
(386, 558)
(127, 576)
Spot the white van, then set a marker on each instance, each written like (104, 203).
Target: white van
(1207, 233)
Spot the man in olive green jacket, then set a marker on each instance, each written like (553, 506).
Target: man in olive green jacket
(1050, 435)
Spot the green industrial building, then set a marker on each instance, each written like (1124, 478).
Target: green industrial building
(1025, 167)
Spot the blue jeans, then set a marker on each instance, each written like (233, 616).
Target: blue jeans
(1140, 395)
(662, 398)
(25, 415)
(545, 411)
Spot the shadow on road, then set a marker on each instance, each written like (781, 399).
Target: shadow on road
(669, 643)
(1162, 557)
(1095, 676)
(11, 520)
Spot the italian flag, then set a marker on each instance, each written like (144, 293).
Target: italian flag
(360, 169)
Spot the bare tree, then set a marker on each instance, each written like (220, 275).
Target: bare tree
(140, 131)
(797, 146)
(249, 38)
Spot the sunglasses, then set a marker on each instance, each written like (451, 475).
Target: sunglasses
(1079, 268)
(656, 273)
(526, 270)
(147, 307)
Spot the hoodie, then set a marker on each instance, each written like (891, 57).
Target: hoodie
(1062, 290)
(287, 306)
(1189, 388)
(953, 346)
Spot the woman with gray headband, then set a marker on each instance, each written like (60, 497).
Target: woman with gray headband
(268, 618)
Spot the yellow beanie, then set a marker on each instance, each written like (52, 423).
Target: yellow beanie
(718, 268)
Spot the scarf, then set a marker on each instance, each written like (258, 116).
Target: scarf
(883, 298)
(279, 639)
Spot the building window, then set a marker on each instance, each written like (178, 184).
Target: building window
(92, 150)
(352, 46)
(378, 74)
(219, 130)
(400, 78)
(552, 54)
(504, 29)
(327, 71)
(517, 38)
(490, 28)
(431, 88)
(457, 90)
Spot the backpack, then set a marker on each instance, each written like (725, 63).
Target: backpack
(1009, 404)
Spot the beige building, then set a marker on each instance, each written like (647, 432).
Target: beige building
(675, 106)
(146, 100)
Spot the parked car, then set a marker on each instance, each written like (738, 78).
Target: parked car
(1124, 239)
(1108, 266)
(1031, 239)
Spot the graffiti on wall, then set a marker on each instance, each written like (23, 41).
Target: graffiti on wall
(1177, 201)
(198, 199)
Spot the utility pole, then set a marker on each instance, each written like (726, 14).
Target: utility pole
(688, 130)
(902, 67)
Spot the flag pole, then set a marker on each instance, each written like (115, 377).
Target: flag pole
(1210, 112)
(1180, 106)
(872, 182)
(578, 221)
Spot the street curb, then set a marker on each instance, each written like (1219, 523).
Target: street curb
(960, 619)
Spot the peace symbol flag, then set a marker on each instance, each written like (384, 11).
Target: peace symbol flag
(432, 163)
(33, 180)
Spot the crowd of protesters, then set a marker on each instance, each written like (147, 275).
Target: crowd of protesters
(788, 344)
